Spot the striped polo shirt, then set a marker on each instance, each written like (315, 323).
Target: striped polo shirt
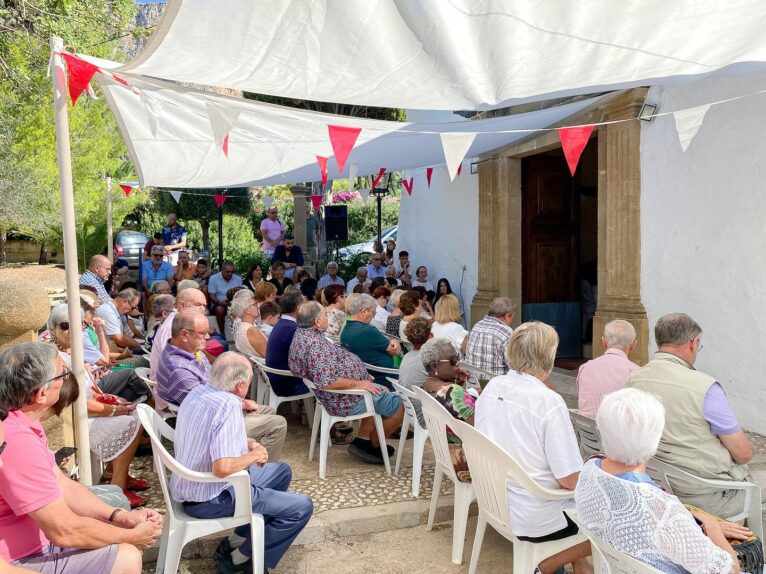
(209, 427)
(179, 372)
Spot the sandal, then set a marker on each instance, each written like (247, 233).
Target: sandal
(134, 499)
(137, 484)
(337, 436)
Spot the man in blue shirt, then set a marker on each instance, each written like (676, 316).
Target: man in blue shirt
(155, 269)
(290, 255)
(174, 238)
(217, 286)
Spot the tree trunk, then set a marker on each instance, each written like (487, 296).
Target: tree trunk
(205, 224)
(3, 242)
(43, 260)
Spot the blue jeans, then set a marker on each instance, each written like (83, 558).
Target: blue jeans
(284, 513)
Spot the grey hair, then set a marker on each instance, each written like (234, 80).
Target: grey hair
(186, 284)
(229, 369)
(676, 329)
(162, 304)
(228, 263)
(391, 268)
(239, 304)
(361, 268)
(308, 313)
(157, 284)
(183, 320)
(620, 334)
(355, 305)
(24, 369)
(501, 306)
(60, 314)
(128, 294)
(332, 264)
(630, 422)
(159, 248)
(435, 350)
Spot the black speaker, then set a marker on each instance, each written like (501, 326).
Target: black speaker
(336, 222)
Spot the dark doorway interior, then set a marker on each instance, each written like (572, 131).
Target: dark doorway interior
(559, 246)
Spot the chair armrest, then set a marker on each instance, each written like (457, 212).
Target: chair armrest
(366, 395)
(242, 492)
(384, 370)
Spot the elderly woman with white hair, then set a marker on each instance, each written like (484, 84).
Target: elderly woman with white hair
(247, 337)
(530, 421)
(114, 429)
(621, 505)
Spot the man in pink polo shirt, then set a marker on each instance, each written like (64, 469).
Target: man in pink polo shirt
(609, 372)
(49, 523)
(272, 231)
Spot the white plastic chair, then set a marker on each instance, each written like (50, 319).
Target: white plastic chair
(661, 471)
(608, 559)
(477, 371)
(164, 409)
(326, 420)
(437, 420)
(180, 528)
(275, 400)
(587, 431)
(490, 467)
(261, 387)
(419, 440)
(372, 369)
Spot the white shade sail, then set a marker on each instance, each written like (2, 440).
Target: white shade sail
(173, 143)
(449, 54)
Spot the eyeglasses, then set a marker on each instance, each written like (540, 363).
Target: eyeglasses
(203, 333)
(2, 446)
(700, 346)
(157, 255)
(453, 360)
(64, 375)
(65, 325)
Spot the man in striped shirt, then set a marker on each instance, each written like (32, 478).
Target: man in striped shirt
(211, 437)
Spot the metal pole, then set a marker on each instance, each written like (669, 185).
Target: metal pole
(64, 154)
(109, 231)
(379, 200)
(220, 238)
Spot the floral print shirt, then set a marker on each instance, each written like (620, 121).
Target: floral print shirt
(462, 405)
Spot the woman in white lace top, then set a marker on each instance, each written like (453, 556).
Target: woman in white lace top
(620, 504)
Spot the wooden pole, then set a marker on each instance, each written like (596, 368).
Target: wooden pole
(64, 154)
(109, 223)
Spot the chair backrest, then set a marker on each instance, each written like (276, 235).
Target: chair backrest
(384, 370)
(479, 372)
(437, 420)
(411, 404)
(608, 558)
(586, 429)
(143, 374)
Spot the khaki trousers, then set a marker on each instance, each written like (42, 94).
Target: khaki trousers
(268, 429)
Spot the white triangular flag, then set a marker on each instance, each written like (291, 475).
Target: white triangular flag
(176, 195)
(352, 171)
(365, 193)
(456, 146)
(222, 121)
(688, 123)
(154, 107)
(267, 201)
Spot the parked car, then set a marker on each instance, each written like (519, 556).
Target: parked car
(367, 247)
(130, 246)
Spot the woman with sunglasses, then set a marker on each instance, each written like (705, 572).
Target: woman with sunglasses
(446, 382)
(114, 427)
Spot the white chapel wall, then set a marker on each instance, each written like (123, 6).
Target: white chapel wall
(703, 229)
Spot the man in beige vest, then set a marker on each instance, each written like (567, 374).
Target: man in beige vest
(702, 435)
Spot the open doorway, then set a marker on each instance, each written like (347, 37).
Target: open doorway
(559, 248)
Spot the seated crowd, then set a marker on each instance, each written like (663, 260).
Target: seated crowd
(384, 324)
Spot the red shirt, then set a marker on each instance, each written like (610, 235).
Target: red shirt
(27, 483)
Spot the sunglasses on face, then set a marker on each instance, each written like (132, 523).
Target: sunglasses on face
(156, 254)
(65, 325)
(453, 360)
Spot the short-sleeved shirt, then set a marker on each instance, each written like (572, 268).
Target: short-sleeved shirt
(218, 286)
(112, 321)
(173, 235)
(91, 353)
(601, 376)
(90, 279)
(179, 372)
(315, 358)
(454, 332)
(150, 274)
(412, 373)
(326, 281)
(209, 427)
(188, 272)
(531, 422)
(462, 406)
(373, 273)
(27, 484)
(486, 345)
(270, 231)
(370, 345)
(295, 256)
(718, 413)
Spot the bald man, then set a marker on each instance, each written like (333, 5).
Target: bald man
(98, 272)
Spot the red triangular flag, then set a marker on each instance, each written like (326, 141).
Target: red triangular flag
(407, 183)
(322, 161)
(429, 173)
(219, 199)
(377, 177)
(342, 140)
(226, 145)
(573, 141)
(459, 169)
(126, 188)
(79, 73)
(316, 201)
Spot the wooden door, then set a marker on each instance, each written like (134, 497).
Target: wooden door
(549, 231)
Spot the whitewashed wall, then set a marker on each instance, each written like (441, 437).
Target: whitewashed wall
(439, 226)
(703, 229)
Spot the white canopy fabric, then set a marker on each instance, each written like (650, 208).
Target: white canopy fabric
(173, 143)
(450, 54)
